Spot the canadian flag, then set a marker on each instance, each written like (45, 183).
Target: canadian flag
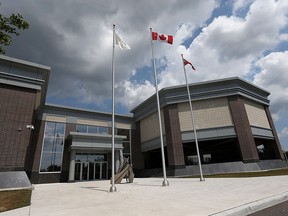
(162, 37)
(185, 62)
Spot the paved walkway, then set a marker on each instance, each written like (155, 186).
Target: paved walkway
(146, 196)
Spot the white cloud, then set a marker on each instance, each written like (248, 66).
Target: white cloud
(283, 37)
(75, 39)
(240, 4)
(273, 76)
(229, 46)
(283, 136)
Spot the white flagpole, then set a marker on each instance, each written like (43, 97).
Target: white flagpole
(193, 123)
(113, 187)
(165, 182)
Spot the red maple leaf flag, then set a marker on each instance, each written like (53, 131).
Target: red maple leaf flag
(185, 62)
(162, 37)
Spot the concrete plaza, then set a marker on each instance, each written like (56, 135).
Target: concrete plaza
(146, 196)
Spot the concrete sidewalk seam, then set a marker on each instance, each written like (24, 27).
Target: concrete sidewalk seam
(255, 206)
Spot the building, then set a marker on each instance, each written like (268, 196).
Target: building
(233, 124)
(53, 143)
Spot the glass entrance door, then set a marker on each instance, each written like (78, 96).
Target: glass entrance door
(81, 171)
(101, 171)
(87, 169)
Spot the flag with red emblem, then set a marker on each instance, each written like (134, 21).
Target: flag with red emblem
(162, 37)
(185, 62)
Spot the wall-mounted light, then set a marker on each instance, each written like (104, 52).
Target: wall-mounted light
(30, 127)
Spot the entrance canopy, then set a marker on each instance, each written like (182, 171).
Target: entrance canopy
(92, 141)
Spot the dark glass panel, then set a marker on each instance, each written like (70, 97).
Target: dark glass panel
(81, 128)
(48, 144)
(103, 130)
(92, 129)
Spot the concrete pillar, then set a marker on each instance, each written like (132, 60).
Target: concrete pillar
(72, 165)
(121, 157)
(117, 160)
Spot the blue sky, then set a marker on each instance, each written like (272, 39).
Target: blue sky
(245, 38)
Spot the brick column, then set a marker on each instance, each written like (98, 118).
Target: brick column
(242, 126)
(276, 143)
(138, 157)
(173, 136)
(16, 112)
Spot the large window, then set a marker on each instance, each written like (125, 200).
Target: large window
(90, 157)
(126, 142)
(91, 129)
(52, 148)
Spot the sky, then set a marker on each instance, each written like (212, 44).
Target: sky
(222, 39)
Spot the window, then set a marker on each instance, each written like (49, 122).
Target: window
(126, 142)
(103, 130)
(52, 148)
(91, 129)
(90, 157)
(81, 128)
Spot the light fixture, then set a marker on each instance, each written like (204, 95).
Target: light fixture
(30, 127)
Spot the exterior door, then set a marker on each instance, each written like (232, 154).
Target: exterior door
(81, 171)
(101, 171)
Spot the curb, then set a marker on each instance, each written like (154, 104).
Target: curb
(255, 206)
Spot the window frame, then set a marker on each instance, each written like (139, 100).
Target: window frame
(55, 152)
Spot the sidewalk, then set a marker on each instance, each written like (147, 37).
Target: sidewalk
(146, 196)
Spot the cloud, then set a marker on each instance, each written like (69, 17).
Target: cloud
(273, 76)
(229, 46)
(240, 5)
(283, 136)
(75, 39)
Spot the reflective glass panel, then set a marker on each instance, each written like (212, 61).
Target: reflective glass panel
(48, 144)
(45, 162)
(60, 130)
(59, 143)
(92, 129)
(126, 146)
(103, 130)
(50, 129)
(104, 171)
(53, 145)
(81, 128)
(77, 171)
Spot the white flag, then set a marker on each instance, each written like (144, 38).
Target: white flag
(121, 43)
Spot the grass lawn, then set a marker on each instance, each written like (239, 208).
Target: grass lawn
(276, 172)
(12, 199)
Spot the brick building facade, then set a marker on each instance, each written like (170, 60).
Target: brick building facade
(233, 124)
(54, 143)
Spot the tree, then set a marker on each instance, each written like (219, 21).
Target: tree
(9, 26)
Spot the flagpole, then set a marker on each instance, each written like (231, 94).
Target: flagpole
(193, 123)
(113, 187)
(165, 181)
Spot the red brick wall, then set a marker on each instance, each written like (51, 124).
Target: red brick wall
(276, 143)
(173, 136)
(137, 155)
(16, 111)
(242, 126)
(36, 144)
(35, 158)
